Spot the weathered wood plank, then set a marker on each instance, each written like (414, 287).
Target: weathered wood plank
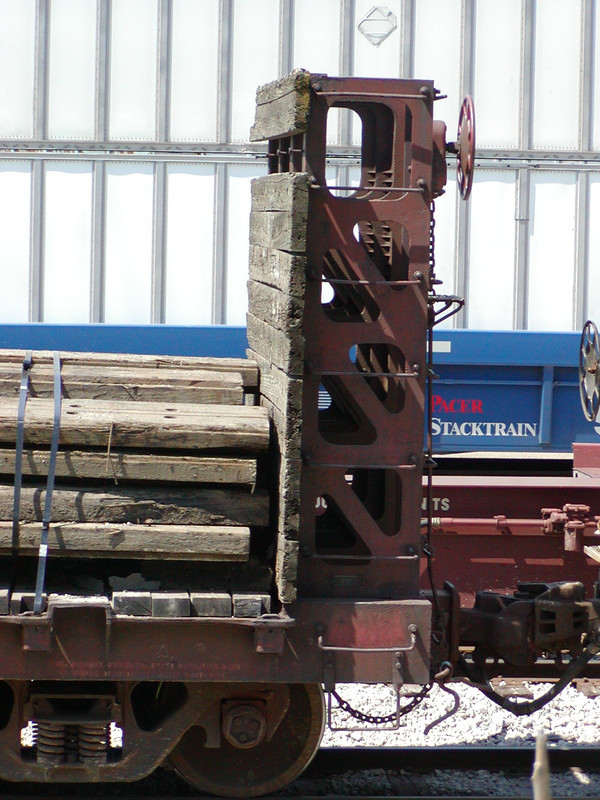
(251, 605)
(283, 271)
(168, 506)
(170, 604)
(281, 191)
(286, 352)
(120, 383)
(98, 423)
(166, 542)
(286, 569)
(245, 368)
(127, 408)
(282, 107)
(124, 466)
(135, 604)
(281, 395)
(281, 391)
(210, 604)
(278, 309)
(281, 230)
(279, 212)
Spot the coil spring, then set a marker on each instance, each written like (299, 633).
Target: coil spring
(50, 743)
(93, 742)
(32, 730)
(71, 744)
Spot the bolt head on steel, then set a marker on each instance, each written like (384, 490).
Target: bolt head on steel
(244, 726)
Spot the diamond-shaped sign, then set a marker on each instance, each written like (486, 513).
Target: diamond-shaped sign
(378, 24)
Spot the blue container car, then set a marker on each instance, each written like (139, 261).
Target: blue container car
(508, 391)
(504, 391)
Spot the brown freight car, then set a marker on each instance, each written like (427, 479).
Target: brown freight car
(190, 550)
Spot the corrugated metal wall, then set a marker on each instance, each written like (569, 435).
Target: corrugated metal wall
(125, 167)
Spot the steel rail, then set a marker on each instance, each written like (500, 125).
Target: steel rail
(405, 761)
(330, 760)
(284, 796)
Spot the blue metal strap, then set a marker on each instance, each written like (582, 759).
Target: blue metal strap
(23, 395)
(43, 551)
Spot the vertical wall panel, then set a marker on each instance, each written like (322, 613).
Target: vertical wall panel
(437, 53)
(557, 70)
(15, 215)
(189, 255)
(238, 223)
(133, 74)
(551, 252)
(596, 81)
(67, 242)
(198, 239)
(593, 278)
(194, 73)
(496, 91)
(445, 241)
(385, 59)
(490, 300)
(317, 36)
(255, 59)
(17, 67)
(72, 69)
(129, 192)
(317, 45)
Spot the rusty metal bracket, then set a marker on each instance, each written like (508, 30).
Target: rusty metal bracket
(398, 189)
(269, 633)
(397, 652)
(39, 631)
(424, 95)
(396, 649)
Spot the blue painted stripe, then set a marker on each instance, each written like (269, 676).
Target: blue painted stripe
(209, 340)
(519, 348)
(518, 377)
(522, 348)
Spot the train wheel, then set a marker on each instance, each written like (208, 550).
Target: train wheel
(242, 771)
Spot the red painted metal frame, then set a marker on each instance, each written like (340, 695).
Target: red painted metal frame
(76, 641)
(512, 496)
(360, 615)
(383, 386)
(477, 551)
(362, 457)
(586, 459)
(80, 643)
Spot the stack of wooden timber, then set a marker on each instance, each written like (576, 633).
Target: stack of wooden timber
(157, 465)
(276, 305)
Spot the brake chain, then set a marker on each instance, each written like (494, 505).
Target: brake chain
(432, 278)
(373, 719)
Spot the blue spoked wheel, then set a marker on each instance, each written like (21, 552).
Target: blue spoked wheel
(589, 371)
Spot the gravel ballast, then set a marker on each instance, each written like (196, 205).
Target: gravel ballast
(570, 719)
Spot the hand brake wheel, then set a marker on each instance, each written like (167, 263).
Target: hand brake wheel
(465, 147)
(589, 371)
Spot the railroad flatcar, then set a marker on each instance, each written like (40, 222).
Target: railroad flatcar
(196, 551)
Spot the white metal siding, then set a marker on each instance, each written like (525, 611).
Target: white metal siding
(125, 165)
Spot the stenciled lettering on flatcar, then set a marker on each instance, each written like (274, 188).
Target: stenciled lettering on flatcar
(437, 504)
(442, 427)
(456, 405)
